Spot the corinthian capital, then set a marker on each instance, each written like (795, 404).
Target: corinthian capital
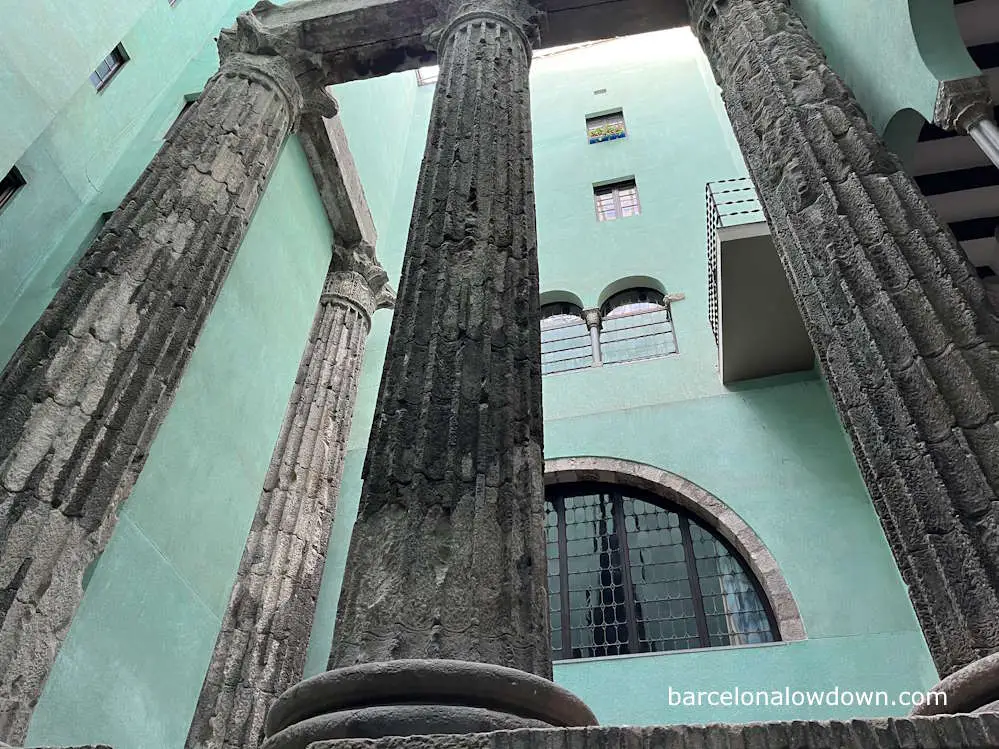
(520, 15)
(963, 103)
(276, 51)
(356, 276)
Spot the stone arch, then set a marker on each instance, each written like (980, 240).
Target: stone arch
(630, 282)
(707, 507)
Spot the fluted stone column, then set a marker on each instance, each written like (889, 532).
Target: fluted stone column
(442, 625)
(83, 396)
(262, 645)
(901, 325)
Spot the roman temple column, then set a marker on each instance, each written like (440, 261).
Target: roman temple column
(83, 396)
(443, 620)
(901, 325)
(262, 645)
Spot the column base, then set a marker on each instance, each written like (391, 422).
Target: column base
(418, 697)
(972, 689)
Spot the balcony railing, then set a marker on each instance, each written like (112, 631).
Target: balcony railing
(730, 202)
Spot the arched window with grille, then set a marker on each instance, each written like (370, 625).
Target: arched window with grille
(629, 572)
(636, 324)
(565, 339)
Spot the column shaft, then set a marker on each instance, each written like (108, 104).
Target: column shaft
(83, 396)
(902, 328)
(262, 645)
(447, 558)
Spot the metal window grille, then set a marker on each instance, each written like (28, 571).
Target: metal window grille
(730, 202)
(9, 185)
(109, 67)
(427, 75)
(616, 200)
(636, 324)
(565, 339)
(630, 573)
(606, 127)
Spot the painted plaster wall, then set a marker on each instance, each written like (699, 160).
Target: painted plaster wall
(87, 155)
(891, 53)
(132, 666)
(773, 449)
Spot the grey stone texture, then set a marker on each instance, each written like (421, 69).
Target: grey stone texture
(262, 644)
(902, 328)
(702, 504)
(943, 732)
(961, 104)
(974, 688)
(418, 696)
(447, 558)
(84, 394)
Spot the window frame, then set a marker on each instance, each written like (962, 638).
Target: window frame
(615, 189)
(119, 57)
(570, 310)
(603, 120)
(617, 492)
(10, 185)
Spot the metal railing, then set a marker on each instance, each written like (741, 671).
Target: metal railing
(730, 202)
(565, 347)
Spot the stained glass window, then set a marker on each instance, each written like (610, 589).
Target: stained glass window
(629, 573)
(616, 200)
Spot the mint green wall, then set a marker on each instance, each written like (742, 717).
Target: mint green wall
(891, 53)
(772, 450)
(80, 161)
(132, 666)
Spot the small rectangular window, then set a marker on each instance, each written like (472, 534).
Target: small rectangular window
(616, 200)
(10, 185)
(603, 127)
(426, 76)
(109, 67)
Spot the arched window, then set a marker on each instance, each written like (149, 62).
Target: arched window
(630, 573)
(565, 339)
(636, 324)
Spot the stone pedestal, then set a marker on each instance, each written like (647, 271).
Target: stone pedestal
(903, 331)
(443, 620)
(83, 396)
(262, 645)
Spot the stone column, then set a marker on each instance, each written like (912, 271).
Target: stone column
(262, 645)
(902, 328)
(83, 396)
(443, 618)
(593, 320)
(965, 106)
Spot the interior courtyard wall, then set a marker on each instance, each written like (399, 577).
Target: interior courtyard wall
(892, 53)
(772, 450)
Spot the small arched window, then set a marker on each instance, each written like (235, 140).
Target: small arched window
(565, 339)
(636, 324)
(630, 573)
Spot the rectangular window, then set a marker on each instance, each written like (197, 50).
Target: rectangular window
(109, 67)
(426, 76)
(616, 200)
(602, 127)
(10, 185)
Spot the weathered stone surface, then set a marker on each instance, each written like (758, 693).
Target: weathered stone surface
(902, 328)
(961, 104)
(83, 396)
(262, 644)
(368, 38)
(974, 688)
(943, 732)
(447, 558)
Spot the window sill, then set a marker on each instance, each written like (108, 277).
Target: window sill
(667, 653)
